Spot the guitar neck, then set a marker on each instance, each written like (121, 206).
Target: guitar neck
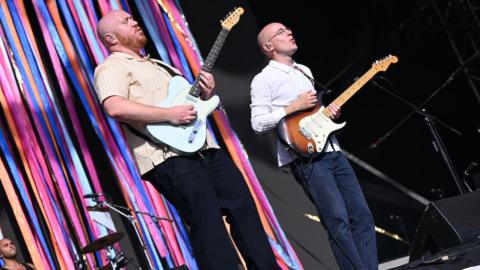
(210, 60)
(347, 94)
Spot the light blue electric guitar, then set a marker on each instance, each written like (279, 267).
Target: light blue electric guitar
(187, 139)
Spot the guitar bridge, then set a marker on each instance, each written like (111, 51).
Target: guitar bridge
(196, 127)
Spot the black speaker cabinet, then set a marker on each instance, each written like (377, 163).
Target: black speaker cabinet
(447, 223)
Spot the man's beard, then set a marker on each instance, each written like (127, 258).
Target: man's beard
(12, 256)
(142, 41)
(138, 42)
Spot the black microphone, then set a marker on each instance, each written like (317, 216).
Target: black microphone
(100, 207)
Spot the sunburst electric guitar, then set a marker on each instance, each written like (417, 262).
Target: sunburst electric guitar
(190, 138)
(307, 132)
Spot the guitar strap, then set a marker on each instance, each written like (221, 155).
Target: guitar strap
(313, 81)
(168, 68)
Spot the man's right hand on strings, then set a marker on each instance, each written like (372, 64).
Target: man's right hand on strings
(304, 101)
(182, 114)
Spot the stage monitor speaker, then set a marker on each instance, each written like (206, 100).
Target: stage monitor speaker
(447, 223)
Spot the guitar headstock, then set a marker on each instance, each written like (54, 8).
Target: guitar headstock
(232, 18)
(384, 63)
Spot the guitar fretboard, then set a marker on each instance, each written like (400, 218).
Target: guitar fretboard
(210, 60)
(347, 94)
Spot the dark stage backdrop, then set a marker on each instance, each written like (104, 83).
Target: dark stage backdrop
(339, 40)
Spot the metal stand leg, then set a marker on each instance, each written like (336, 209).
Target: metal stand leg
(133, 221)
(440, 147)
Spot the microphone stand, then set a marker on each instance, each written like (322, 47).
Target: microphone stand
(447, 81)
(132, 220)
(155, 218)
(431, 122)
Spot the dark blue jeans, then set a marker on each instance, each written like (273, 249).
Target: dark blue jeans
(330, 183)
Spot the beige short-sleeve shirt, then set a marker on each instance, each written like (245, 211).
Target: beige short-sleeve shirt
(144, 81)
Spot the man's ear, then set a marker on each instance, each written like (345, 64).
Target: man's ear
(267, 46)
(110, 37)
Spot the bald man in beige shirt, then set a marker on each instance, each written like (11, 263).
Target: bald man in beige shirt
(203, 186)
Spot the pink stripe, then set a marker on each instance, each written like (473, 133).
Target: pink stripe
(104, 6)
(128, 180)
(76, 19)
(83, 26)
(66, 92)
(26, 134)
(54, 166)
(64, 188)
(165, 35)
(253, 180)
(181, 22)
(5, 80)
(166, 226)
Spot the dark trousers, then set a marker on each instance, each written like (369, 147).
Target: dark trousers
(203, 188)
(331, 184)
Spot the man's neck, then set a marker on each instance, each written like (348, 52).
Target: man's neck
(134, 53)
(284, 59)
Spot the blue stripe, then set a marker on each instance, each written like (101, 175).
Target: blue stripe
(183, 61)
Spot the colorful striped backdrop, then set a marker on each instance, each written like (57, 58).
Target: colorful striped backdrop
(48, 52)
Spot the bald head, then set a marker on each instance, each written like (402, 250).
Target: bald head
(275, 40)
(268, 31)
(107, 25)
(119, 32)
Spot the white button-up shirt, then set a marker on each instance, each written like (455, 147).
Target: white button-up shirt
(274, 88)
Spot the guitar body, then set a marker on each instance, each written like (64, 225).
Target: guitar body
(183, 139)
(307, 132)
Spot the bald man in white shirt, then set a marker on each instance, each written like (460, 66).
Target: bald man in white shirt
(285, 87)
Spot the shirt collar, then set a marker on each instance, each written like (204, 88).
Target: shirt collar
(280, 66)
(130, 57)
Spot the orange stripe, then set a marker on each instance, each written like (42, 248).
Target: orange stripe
(71, 54)
(29, 32)
(20, 217)
(187, 50)
(229, 143)
(21, 151)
